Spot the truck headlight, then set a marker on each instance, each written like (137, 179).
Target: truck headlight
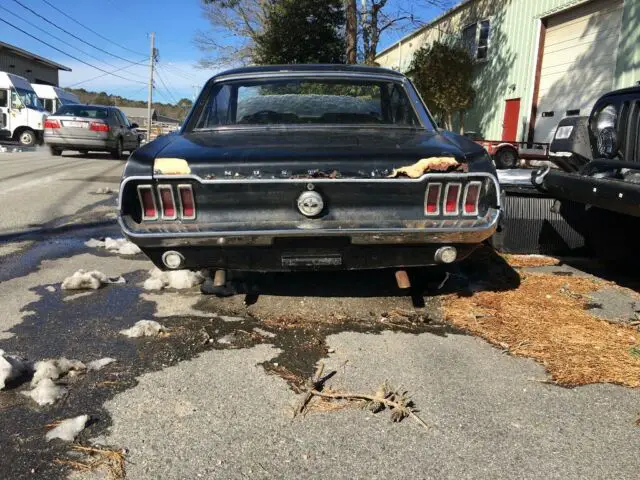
(604, 128)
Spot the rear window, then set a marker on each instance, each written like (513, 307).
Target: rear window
(294, 102)
(82, 111)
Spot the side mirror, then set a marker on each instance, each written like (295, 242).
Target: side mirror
(134, 125)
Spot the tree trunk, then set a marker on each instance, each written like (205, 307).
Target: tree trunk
(448, 121)
(352, 32)
(461, 113)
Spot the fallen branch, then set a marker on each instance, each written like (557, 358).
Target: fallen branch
(399, 403)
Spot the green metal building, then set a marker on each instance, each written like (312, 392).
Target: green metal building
(536, 61)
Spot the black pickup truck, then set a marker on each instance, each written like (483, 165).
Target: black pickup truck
(308, 167)
(599, 159)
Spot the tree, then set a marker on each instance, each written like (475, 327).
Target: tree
(380, 16)
(444, 74)
(185, 103)
(235, 26)
(302, 31)
(352, 31)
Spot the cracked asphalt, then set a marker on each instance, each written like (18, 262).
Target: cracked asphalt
(186, 405)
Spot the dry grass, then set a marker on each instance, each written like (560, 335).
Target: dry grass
(545, 319)
(521, 261)
(111, 461)
(324, 405)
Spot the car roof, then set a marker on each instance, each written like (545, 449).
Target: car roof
(311, 68)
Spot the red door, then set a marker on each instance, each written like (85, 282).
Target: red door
(511, 119)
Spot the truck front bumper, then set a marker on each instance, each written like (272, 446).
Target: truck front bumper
(606, 193)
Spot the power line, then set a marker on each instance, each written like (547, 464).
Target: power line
(91, 30)
(177, 71)
(60, 39)
(69, 33)
(165, 86)
(67, 54)
(105, 74)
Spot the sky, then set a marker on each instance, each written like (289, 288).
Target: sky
(126, 24)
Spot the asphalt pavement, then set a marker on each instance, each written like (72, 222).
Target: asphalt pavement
(215, 396)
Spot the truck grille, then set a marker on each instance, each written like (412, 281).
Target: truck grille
(629, 131)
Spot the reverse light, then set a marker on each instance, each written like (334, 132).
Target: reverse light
(147, 202)
(51, 124)
(432, 199)
(452, 198)
(471, 197)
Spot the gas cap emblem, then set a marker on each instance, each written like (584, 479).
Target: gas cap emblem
(310, 203)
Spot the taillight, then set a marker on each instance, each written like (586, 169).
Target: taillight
(167, 203)
(452, 197)
(98, 127)
(51, 124)
(147, 202)
(432, 199)
(187, 202)
(471, 197)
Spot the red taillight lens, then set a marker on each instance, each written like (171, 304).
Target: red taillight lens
(187, 202)
(432, 199)
(51, 124)
(452, 196)
(98, 127)
(471, 197)
(167, 204)
(147, 202)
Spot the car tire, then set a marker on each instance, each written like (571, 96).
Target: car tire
(506, 158)
(56, 152)
(117, 153)
(27, 138)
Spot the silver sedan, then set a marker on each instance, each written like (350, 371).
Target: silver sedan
(90, 127)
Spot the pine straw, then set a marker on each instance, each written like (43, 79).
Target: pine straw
(546, 319)
(112, 461)
(521, 261)
(323, 404)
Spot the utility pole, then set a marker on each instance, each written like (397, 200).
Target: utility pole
(152, 57)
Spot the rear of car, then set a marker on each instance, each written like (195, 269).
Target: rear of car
(295, 169)
(81, 128)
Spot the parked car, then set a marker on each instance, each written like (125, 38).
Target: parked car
(85, 128)
(599, 156)
(307, 167)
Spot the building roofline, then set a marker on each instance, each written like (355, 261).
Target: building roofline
(424, 27)
(25, 53)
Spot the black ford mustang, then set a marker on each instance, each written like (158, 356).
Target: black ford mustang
(327, 166)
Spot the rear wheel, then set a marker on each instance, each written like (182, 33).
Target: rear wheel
(56, 152)
(117, 153)
(27, 138)
(506, 158)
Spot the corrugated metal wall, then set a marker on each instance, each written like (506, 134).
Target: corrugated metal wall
(31, 70)
(510, 71)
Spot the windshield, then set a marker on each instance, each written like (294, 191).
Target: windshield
(67, 101)
(25, 98)
(307, 102)
(78, 110)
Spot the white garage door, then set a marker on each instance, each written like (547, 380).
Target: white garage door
(578, 62)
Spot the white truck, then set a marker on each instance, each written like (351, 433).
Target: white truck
(21, 114)
(53, 97)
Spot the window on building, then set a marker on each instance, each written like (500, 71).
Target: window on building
(475, 38)
(483, 40)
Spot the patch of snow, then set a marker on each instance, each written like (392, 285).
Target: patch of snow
(50, 288)
(54, 369)
(144, 328)
(12, 368)
(46, 392)
(177, 279)
(264, 333)
(68, 429)
(83, 280)
(226, 318)
(98, 364)
(104, 191)
(121, 246)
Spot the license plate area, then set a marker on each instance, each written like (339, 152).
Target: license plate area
(72, 124)
(311, 260)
